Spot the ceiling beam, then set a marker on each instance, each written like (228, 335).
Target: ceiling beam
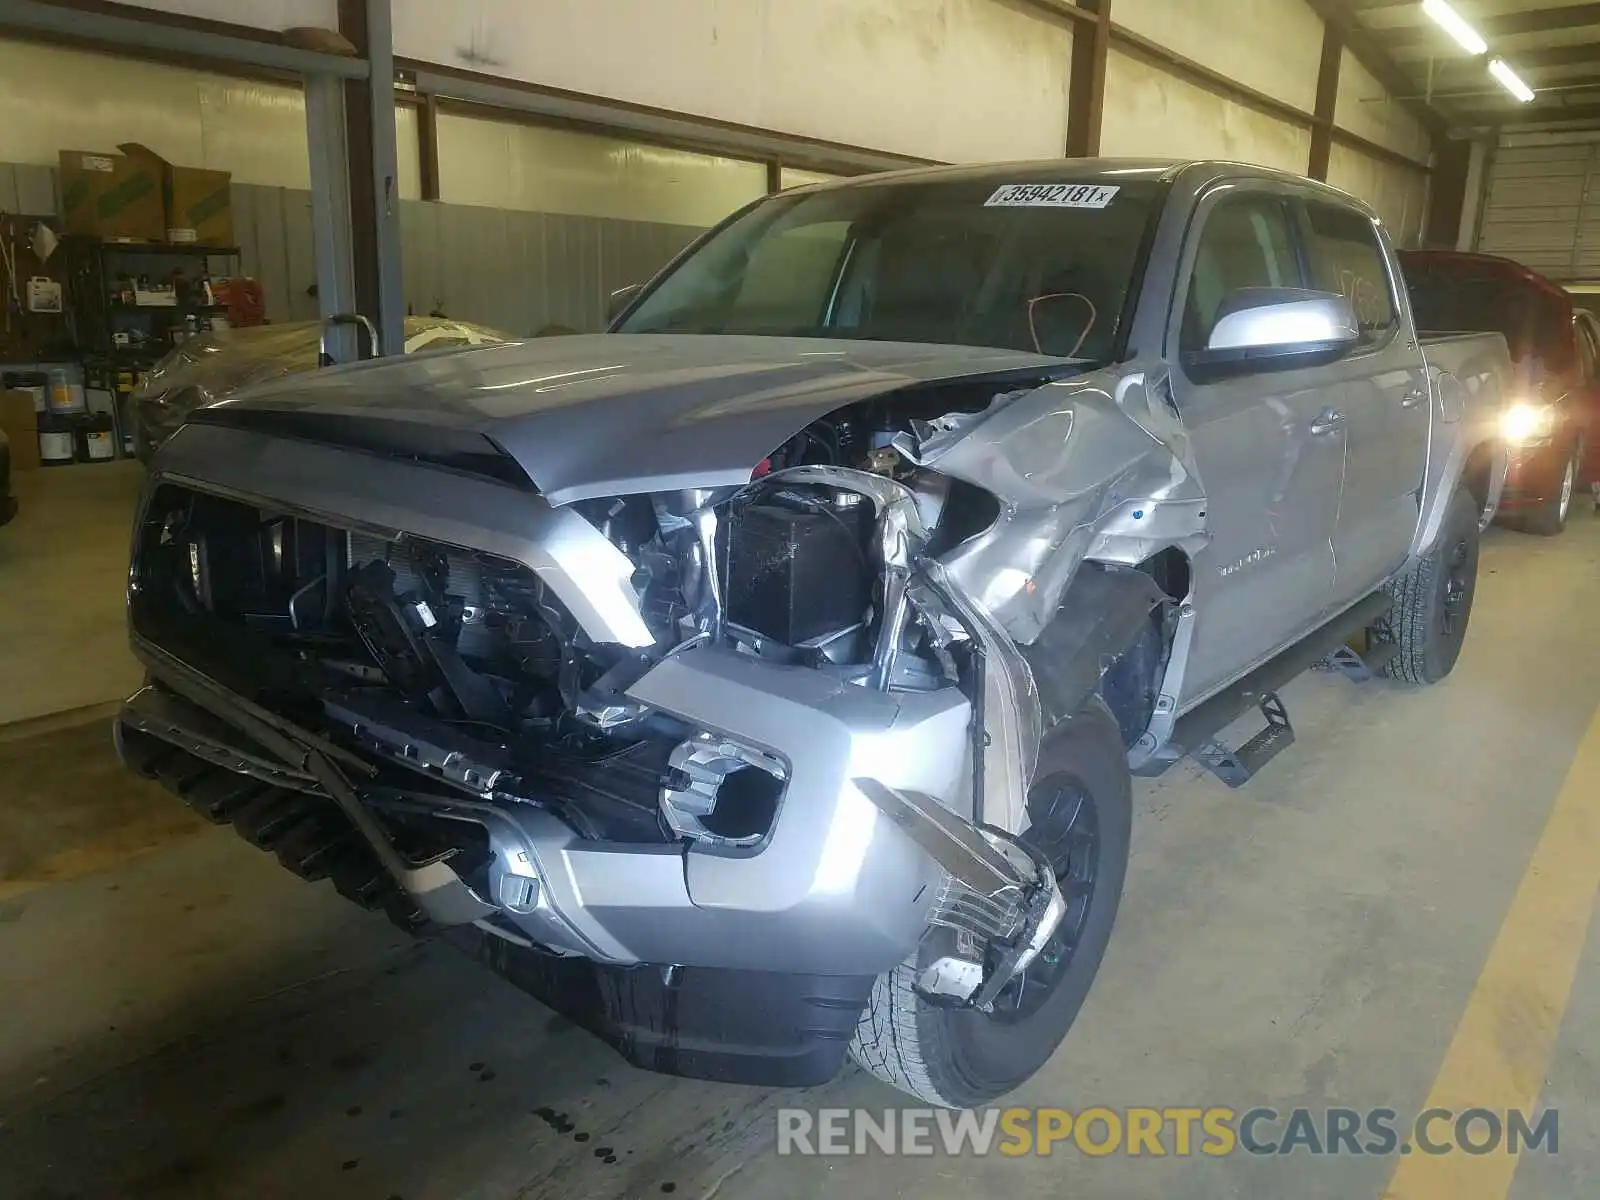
(1525, 115)
(1369, 52)
(1492, 94)
(1538, 20)
(1531, 64)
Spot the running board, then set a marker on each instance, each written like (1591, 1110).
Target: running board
(1238, 767)
(1196, 731)
(1360, 666)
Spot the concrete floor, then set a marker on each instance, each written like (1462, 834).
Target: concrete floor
(181, 1018)
(64, 563)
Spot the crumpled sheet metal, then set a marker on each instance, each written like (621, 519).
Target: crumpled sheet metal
(1096, 467)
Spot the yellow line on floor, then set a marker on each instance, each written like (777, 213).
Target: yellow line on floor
(1503, 1042)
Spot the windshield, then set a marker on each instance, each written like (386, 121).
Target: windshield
(1044, 267)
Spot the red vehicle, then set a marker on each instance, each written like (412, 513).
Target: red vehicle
(1552, 428)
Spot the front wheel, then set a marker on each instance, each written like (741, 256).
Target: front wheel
(1080, 810)
(1433, 599)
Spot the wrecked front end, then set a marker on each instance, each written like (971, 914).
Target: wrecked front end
(691, 766)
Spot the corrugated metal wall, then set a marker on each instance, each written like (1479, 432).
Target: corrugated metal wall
(27, 188)
(523, 271)
(517, 271)
(1543, 208)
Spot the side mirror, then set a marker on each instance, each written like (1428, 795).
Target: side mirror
(620, 299)
(1262, 329)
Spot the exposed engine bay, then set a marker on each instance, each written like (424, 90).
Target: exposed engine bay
(402, 640)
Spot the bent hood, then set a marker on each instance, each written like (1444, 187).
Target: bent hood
(611, 414)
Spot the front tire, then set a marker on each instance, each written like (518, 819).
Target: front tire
(1433, 600)
(1080, 810)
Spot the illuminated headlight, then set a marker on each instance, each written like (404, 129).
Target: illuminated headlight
(1525, 424)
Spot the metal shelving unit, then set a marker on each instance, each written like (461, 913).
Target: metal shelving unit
(96, 269)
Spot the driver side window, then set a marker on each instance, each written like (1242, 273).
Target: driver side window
(1247, 242)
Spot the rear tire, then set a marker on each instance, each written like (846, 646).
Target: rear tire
(1081, 797)
(1433, 600)
(1550, 519)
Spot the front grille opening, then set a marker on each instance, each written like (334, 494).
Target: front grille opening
(443, 666)
(459, 635)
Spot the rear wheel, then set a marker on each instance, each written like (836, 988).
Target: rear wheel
(1080, 814)
(1551, 517)
(1433, 600)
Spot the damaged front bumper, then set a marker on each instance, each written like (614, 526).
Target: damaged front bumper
(834, 888)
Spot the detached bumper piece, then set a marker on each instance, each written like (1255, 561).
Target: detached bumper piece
(308, 833)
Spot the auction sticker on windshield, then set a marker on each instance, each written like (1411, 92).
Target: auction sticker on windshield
(1052, 195)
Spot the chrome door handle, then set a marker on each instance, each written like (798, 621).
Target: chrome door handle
(1328, 420)
(1413, 398)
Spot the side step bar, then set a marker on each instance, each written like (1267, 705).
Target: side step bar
(1196, 732)
(1238, 767)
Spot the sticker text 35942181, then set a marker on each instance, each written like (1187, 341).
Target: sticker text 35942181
(1052, 195)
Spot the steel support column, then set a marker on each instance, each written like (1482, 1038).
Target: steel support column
(1086, 90)
(1447, 198)
(330, 206)
(390, 315)
(428, 146)
(1327, 101)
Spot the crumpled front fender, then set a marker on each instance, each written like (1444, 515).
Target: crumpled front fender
(1094, 468)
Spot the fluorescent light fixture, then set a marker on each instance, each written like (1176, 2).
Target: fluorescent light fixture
(1510, 80)
(1456, 26)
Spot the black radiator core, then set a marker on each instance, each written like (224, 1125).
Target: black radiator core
(795, 575)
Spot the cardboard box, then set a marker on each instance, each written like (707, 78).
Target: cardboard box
(137, 195)
(114, 196)
(199, 206)
(21, 424)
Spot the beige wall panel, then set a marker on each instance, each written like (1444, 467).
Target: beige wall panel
(1151, 113)
(1273, 46)
(263, 14)
(943, 79)
(1366, 108)
(1399, 195)
(538, 169)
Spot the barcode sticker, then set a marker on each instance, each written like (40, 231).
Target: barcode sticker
(1052, 195)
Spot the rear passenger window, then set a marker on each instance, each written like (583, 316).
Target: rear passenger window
(1347, 258)
(1247, 242)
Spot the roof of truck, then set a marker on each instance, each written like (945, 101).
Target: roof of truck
(1080, 170)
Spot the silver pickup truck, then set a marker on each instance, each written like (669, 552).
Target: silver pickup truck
(764, 678)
